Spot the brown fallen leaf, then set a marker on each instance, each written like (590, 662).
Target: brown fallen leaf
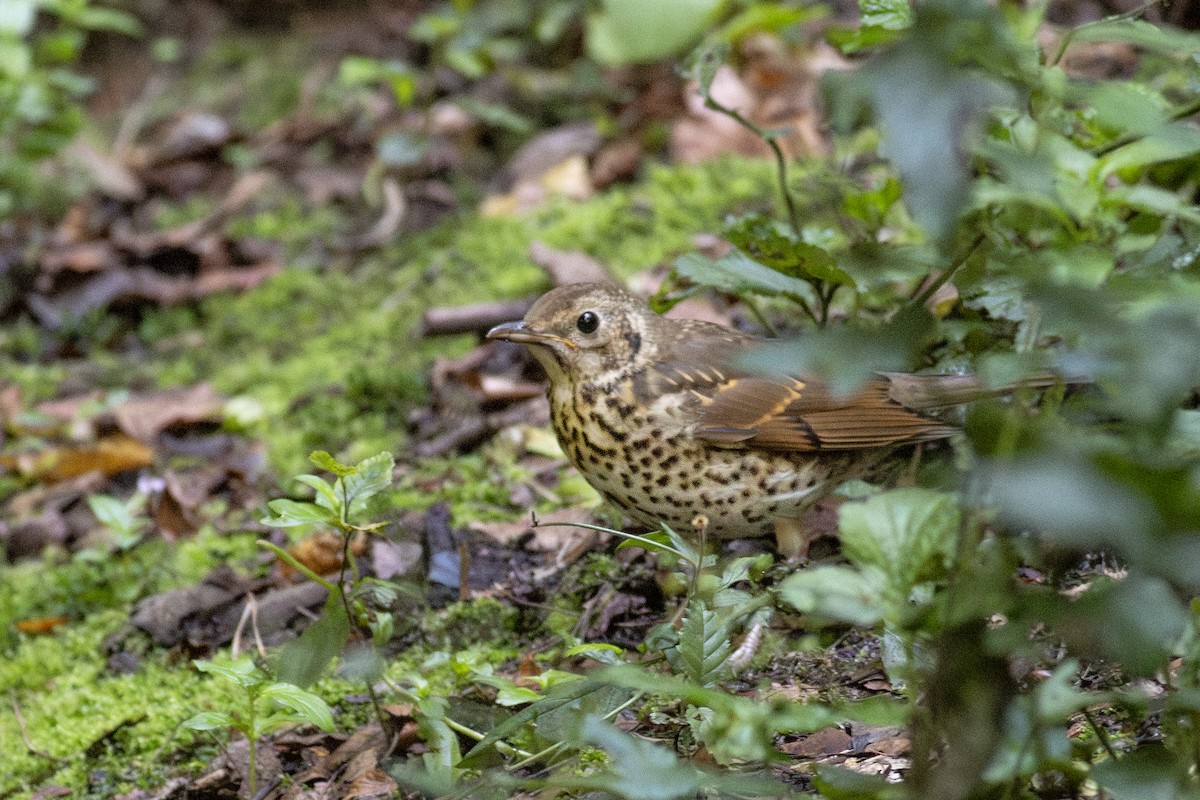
(145, 416)
(825, 742)
(110, 455)
(41, 624)
(565, 267)
(321, 553)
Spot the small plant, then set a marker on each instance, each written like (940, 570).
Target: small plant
(338, 504)
(267, 707)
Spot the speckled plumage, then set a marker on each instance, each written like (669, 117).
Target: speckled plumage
(658, 418)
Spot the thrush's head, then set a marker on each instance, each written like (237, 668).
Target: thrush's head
(592, 331)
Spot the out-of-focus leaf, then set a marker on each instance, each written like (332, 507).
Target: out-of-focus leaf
(837, 593)
(290, 513)
(1135, 622)
(208, 721)
(639, 770)
(242, 671)
(401, 149)
(1157, 38)
(839, 783)
(846, 357)
(1167, 143)
(1149, 773)
(303, 660)
(703, 64)
(737, 273)
(914, 90)
(562, 699)
(1058, 696)
(17, 16)
(1069, 500)
(112, 513)
(636, 31)
(1124, 106)
(766, 17)
(889, 14)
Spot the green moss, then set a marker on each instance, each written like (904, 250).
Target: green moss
(85, 717)
(460, 626)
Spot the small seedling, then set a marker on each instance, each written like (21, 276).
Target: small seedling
(267, 707)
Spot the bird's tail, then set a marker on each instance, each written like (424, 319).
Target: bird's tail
(928, 392)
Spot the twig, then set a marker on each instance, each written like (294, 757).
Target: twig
(16, 707)
(474, 318)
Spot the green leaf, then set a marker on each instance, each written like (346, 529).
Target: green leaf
(1163, 39)
(243, 672)
(844, 356)
(769, 243)
(1135, 622)
(639, 770)
(1070, 501)
(836, 593)
(209, 721)
(839, 783)
(766, 17)
(562, 698)
(891, 15)
(637, 31)
(303, 660)
(98, 18)
(703, 64)
(17, 16)
(909, 534)
(737, 273)
(703, 645)
(305, 706)
(322, 460)
(1170, 142)
(1150, 773)
(366, 480)
(112, 513)
(289, 513)
(325, 497)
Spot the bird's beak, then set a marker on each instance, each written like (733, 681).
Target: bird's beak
(521, 333)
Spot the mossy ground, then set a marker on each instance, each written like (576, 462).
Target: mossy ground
(335, 361)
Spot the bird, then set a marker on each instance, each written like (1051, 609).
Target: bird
(661, 419)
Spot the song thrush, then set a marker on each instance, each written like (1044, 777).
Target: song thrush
(660, 419)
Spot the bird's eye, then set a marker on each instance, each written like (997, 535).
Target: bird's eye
(588, 322)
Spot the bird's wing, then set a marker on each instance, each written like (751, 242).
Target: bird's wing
(736, 409)
(792, 414)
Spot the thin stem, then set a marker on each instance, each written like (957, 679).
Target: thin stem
(804, 306)
(252, 742)
(1066, 40)
(770, 139)
(1101, 734)
(758, 315)
(922, 296)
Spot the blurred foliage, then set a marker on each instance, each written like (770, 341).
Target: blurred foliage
(1056, 215)
(41, 93)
